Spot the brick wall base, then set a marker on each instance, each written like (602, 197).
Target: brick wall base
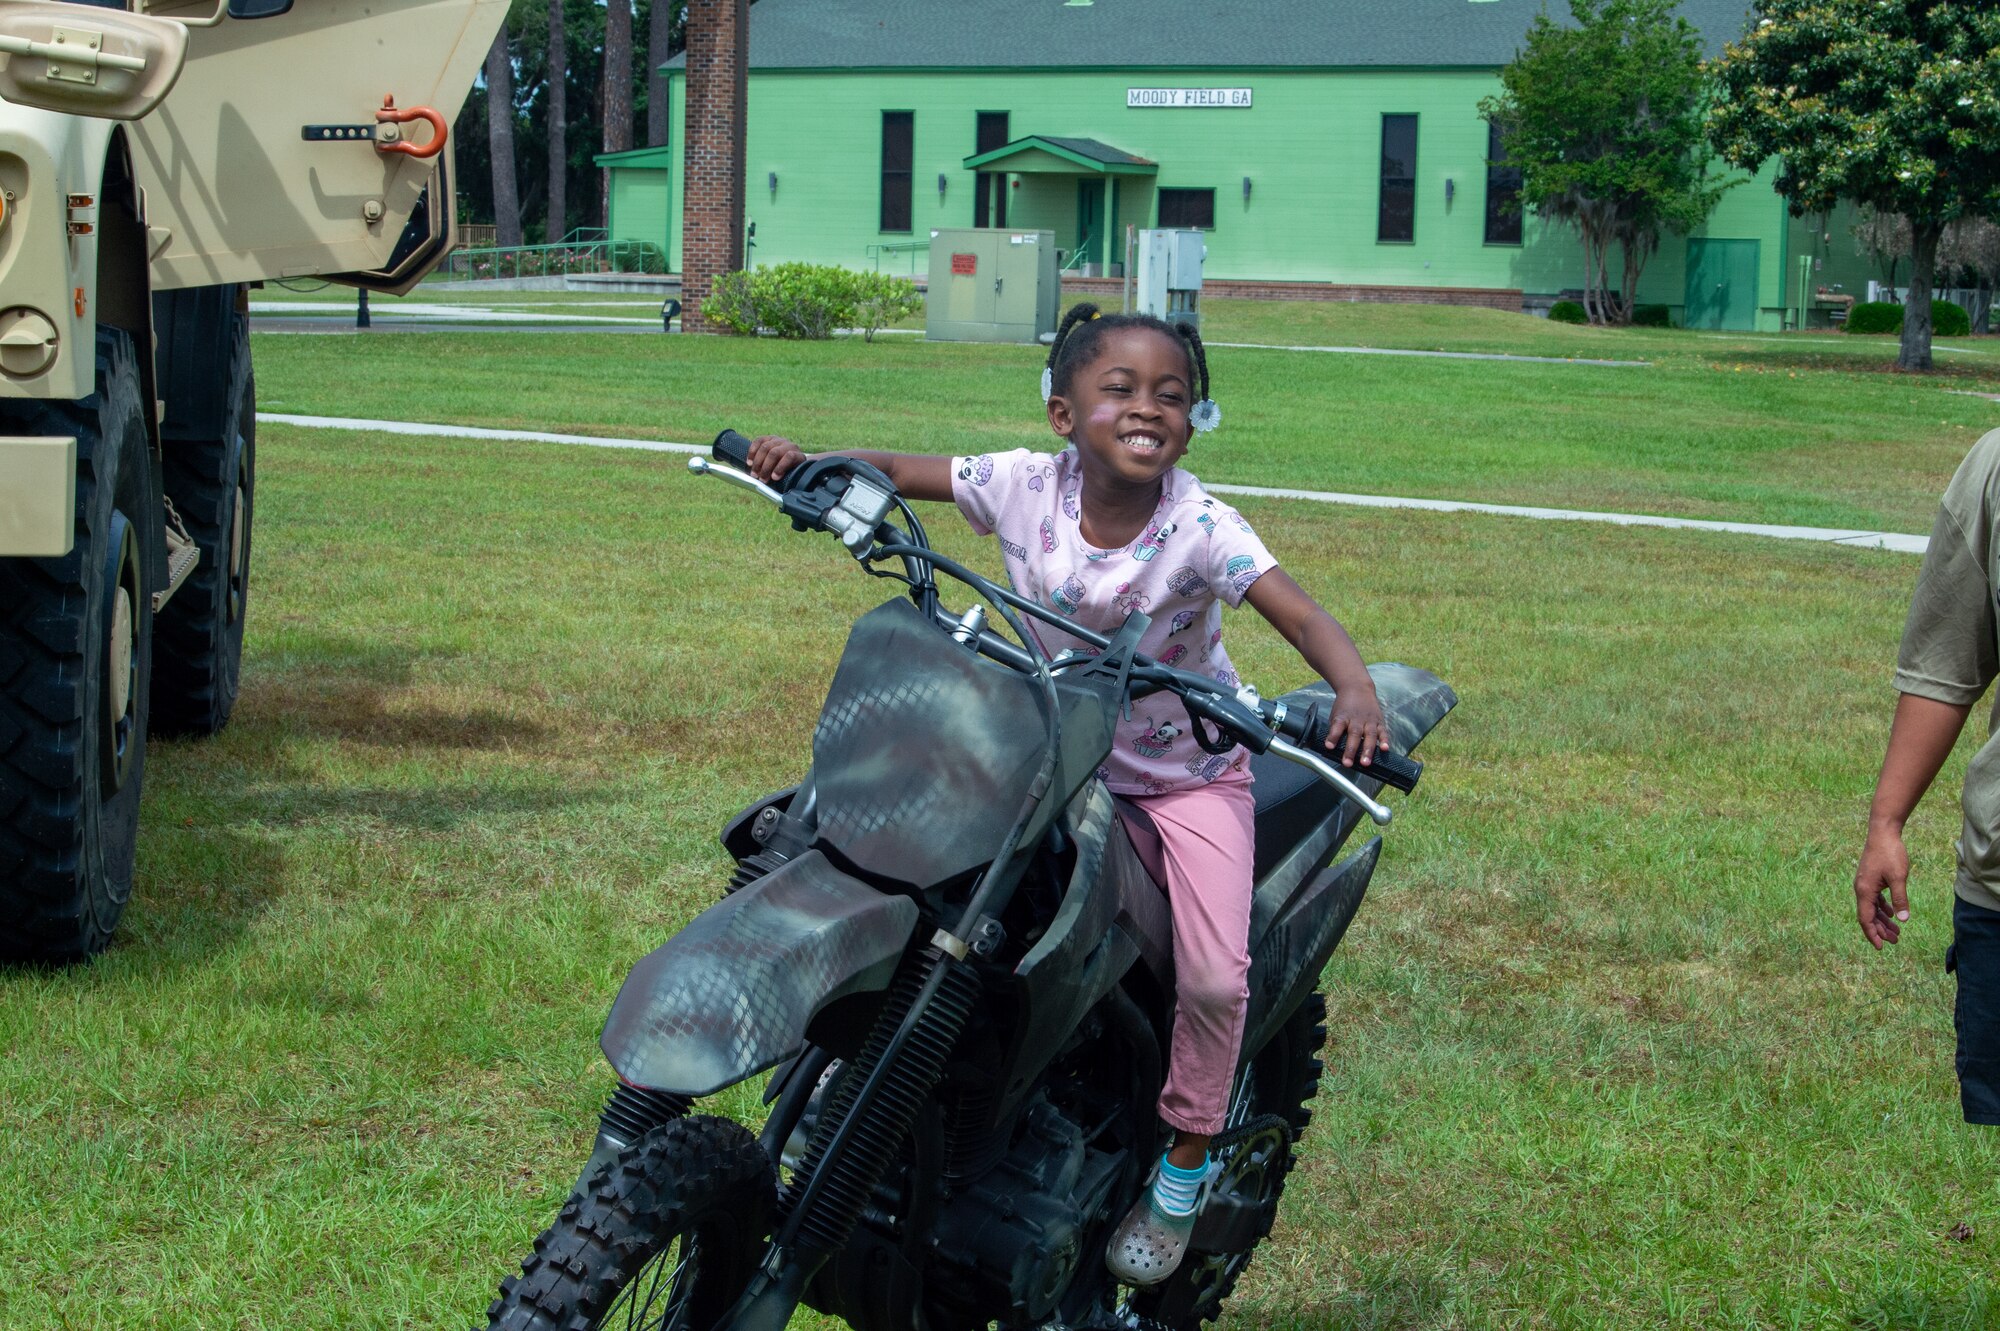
(1492, 298)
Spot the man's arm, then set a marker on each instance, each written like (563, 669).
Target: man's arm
(1920, 739)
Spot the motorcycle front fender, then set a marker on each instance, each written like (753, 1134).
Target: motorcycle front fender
(732, 994)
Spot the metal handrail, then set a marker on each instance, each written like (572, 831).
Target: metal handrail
(909, 247)
(1080, 255)
(561, 259)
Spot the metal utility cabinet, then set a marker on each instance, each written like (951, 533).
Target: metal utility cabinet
(992, 285)
(1169, 275)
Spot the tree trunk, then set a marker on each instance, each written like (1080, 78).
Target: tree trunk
(1629, 298)
(1916, 350)
(659, 47)
(500, 140)
(558, 223)
(617, 91)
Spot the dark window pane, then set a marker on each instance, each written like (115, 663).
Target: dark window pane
(991, 132)
(1396, 218)
(1187, 208)
(1399, 146)
(1503, 193)
(898, 129)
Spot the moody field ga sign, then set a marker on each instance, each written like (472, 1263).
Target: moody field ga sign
(1224, 97)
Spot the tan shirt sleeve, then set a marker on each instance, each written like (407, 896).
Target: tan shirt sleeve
(1948, 653)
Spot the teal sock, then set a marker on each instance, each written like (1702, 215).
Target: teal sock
(1176, 1190)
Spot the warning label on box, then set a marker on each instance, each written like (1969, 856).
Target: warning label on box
(964, 265)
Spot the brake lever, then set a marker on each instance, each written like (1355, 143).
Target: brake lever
(702, 466)
(1327, 772)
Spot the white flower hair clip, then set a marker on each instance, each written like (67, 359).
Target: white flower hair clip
(1205, 416)
(1048, 383)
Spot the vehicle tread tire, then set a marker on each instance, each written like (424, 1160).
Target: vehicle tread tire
(198, 641)
(67, 846)
(700, 1174)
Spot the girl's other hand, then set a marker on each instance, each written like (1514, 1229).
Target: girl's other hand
(1357, 730)
(772, 455)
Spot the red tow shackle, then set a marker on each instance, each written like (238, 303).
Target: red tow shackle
(389, 115)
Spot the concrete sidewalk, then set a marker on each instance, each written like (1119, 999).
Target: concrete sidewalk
(1871, 540)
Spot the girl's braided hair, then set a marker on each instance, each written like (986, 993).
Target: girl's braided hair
(1084, 327)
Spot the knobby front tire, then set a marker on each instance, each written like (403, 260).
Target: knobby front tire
(664, 1238)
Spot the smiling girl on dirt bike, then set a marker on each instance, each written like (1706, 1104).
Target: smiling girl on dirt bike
(1110, 525)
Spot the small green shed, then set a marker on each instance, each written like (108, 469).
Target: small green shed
(640, 196)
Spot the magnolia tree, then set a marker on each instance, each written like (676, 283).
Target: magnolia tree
(1604, 120)
(1894, 104)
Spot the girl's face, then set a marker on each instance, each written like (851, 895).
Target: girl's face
(1127, 410)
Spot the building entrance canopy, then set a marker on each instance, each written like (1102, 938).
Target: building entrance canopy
(1048, 155)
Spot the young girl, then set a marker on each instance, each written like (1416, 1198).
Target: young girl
(1112, 524)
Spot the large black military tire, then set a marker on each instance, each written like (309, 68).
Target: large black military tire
(1284, 1078)
(73, 721)
(666, 1236)
(211, 482)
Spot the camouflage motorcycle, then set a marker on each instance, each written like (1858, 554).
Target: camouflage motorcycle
(950, 941)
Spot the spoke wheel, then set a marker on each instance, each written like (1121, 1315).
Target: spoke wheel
(663, 1238)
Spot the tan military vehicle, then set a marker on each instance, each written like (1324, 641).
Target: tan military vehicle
(154, 164)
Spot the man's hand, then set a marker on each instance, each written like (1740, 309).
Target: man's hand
(772, 455)
(1881, 891)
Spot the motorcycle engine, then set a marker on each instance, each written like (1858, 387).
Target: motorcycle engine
(1012, 1240)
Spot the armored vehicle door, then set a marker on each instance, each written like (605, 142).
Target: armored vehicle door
(269, 160)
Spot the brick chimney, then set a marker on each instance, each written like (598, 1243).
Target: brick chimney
(718, 52)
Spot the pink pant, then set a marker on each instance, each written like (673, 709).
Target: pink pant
(1207, 836)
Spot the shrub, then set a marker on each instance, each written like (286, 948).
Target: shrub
(881, 300)
(1875, 316)
(1949, 319)
(1567, 312)
(730, 304)
(800, 300)
(1651, 316)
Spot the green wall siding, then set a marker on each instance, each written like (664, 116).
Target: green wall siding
(639, 199)
(1310, 146)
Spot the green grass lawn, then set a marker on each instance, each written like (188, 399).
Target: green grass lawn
(1607, 1050)
(1720, 428)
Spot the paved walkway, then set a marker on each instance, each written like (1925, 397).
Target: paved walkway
(1873, 540)
(1437, 355)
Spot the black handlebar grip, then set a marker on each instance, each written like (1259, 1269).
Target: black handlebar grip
(732, 448)
(1387, 766)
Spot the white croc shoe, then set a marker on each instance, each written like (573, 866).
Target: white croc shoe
(1148, 1245)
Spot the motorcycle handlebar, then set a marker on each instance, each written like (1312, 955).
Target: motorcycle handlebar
(1309, 729)
(733, 448)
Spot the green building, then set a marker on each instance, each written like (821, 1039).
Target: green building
(1329, 148)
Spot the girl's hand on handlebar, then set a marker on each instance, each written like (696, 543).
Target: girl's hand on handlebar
(1357, 730)
(772, 455)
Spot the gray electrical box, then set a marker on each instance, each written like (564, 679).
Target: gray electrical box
(992, 285)
(1169, 275)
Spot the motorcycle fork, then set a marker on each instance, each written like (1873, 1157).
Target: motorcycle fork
(859, 1131)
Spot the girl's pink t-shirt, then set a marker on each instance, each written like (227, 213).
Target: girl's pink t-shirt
(1195, 554)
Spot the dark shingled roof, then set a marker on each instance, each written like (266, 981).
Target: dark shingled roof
(1092, 150)
(1161, 34)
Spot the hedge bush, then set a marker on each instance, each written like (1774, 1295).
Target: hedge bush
(1949, 319)
(881, 300)
(1567, 312)
(1651, 316)
(1875, 316)
(810, 301)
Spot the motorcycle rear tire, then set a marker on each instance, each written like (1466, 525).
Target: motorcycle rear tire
(678, 1223)
(1286, 1077)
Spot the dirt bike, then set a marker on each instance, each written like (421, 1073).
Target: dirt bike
(951, 942)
